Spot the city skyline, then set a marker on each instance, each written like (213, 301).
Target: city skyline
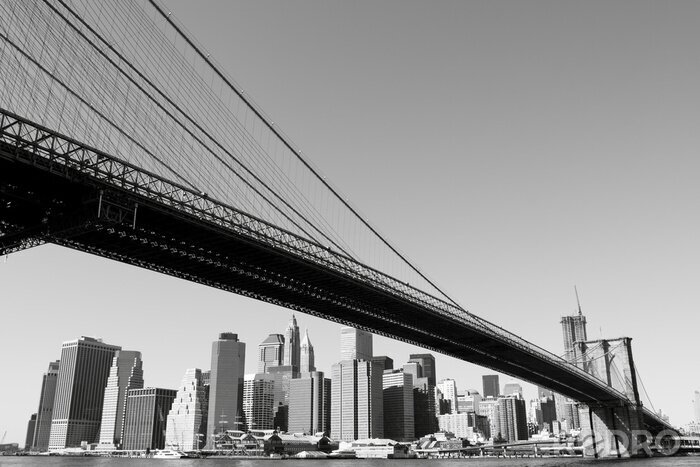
(309, 406)
(583, 219)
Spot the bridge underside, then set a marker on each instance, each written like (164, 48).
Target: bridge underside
(41, 201)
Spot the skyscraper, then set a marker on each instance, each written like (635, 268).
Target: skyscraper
(355, 344)
(258, 401)
(512, 418)
(292, 344)
(270, 352)
(492, 388)
(357, 401)
(226, 384)
(489, 408)
(145, 418)
(310, 404)
(448, 388)
(387, 363)
(399, 423)
(424, 403)
(307, 363)
(45, 411)
(549, 412)
(282, 375)
(573, 330)
(427, 363)
(186, 426)
(31, 428)
(126, 373)
(82, 377)
(469, 402)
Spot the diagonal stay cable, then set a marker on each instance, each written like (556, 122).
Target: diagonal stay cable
(284, 140)
(100, 114)
(192, 121)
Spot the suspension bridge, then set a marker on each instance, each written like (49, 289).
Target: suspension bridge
(120, 136)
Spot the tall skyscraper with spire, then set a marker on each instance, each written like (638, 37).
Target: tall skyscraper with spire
(292, 345)
(126, 373)
(307, 355)
(573, 330)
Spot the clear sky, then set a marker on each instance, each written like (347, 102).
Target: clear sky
(511, 149)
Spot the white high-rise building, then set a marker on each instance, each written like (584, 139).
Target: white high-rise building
(355, 344)
(457, 423)
(80, 389)
(186, 423)
(448, 389)
(357, 400)
(307, 355)
(126, 373)
(469, 402)
(489, 407)
(258, 401)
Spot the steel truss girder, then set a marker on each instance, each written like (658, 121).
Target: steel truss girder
(61, 155)
(25, 142)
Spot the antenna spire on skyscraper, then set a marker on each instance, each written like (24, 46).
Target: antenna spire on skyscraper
(578, 302)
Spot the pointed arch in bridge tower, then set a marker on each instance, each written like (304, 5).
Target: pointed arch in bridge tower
(614, 428)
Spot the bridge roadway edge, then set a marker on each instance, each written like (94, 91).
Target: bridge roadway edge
(170, 242)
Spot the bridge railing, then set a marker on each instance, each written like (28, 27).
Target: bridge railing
(57, 153)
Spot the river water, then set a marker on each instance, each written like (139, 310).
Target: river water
(469, 462)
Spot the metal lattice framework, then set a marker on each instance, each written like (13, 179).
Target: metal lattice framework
(27, 143)
(58, 189)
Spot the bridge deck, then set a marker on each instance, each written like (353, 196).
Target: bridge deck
(54, 189)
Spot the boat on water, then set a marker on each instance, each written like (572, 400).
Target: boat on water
(168, 454)
(342, 454)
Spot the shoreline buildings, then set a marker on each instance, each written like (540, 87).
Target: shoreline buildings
(258, 402)
(399, 420)
(145, 418)
(82, 378)
(42, 427)
(226, 386)
(125, 373)
(366, 398)
(357, 400)
(186, 426)
(310, 404)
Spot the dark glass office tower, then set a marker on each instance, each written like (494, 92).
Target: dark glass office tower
(145, 418)
(45, 411)
(491, 385)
